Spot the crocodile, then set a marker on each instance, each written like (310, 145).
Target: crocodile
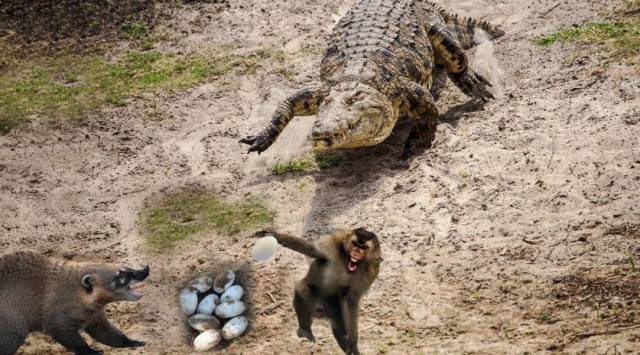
(385, 60)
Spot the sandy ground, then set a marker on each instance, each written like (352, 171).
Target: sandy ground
(513, 234)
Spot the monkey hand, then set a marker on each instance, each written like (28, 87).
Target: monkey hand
(135, 343)
(265, 232)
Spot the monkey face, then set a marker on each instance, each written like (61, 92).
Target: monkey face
(362, 245)
(114, 284)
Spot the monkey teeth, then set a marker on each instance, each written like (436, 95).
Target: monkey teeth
(352, 265)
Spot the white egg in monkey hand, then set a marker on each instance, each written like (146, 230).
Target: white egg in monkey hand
(235, 327)
(264, 248)
(230, 309)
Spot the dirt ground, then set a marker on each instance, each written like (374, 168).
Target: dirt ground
(516, 233)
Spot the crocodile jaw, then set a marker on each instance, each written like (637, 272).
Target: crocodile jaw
(353, 118)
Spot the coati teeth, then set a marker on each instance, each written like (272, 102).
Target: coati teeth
(224, 281)
(235, 327)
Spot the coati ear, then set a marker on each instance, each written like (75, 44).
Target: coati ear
(88, 281)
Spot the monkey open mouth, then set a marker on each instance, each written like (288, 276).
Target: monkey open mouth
(355, 257)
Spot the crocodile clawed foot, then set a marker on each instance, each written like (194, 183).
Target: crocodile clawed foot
(256, 143)
(473, 84)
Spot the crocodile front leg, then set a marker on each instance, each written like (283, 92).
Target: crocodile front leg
(420, 106)
(450, 52)
(303, 103)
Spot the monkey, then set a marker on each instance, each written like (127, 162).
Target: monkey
(344, 266)
(61, 298)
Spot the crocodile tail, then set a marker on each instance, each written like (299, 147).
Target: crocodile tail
(465, 29)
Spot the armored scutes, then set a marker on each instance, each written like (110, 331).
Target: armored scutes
(385, 60)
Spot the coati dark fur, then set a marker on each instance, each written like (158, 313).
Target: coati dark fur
(61, 298)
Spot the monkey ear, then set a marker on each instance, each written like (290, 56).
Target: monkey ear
(88, 281)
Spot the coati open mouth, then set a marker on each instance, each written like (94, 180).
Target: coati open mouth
(126, 278)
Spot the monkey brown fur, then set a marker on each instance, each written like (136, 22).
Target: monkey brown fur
(61, 298)
(345, 265)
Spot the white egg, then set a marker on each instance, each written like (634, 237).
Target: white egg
(234, 327)
(264, 248)
(201, 284)
(206, 340)
(233, 293)
(230, 309)
(202, 322)
(224, 281)
(208, 304)
(188, 301)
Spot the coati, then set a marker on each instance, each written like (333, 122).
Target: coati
(345, 265)
(60, 298)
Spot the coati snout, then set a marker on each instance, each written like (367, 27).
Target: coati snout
(115, 283)
(61, 298)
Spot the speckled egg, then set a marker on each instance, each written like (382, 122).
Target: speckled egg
(233, 293)
(230, 309)
(234, 327)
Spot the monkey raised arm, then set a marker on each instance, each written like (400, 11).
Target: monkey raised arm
(300, 245)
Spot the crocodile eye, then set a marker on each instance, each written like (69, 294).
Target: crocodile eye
(351, 99)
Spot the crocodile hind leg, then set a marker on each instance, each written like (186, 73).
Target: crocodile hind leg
(421, 107)
(453, 57)
(439, 75)
(303, 103)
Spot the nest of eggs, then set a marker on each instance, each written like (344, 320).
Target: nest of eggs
(214, 307)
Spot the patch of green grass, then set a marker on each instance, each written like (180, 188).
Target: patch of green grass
(71, 85)
(326, 160)
(135, 30)
(321, 160)
(176, 217)
(622, 36)
(293, 166)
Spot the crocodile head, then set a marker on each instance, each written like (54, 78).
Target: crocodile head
(353, 115)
